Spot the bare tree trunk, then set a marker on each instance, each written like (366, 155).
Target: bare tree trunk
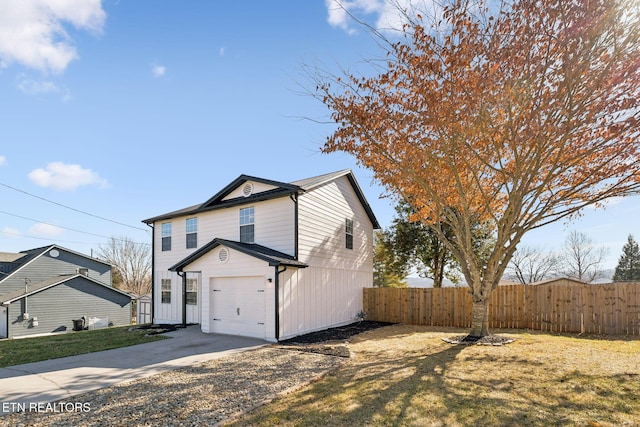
(479, 317)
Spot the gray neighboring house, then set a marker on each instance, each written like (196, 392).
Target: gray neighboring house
(44, 290)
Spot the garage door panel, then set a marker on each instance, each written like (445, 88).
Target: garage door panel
(238, 306)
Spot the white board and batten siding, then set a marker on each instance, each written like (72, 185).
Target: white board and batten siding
(3, 322)
(274, 228)
(238, 287)
(313, 299)
(329, 292)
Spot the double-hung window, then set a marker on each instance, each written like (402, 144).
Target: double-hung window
(166, 236)
(192, 291)
(348, 228)
(165, 287)
(247, 225)
(192, 233)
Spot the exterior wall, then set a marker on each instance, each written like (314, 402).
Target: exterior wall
(329, 292)
(322, 214)
(57, 306)
(237, 265)
(315, 298)
(45, 267)
(274, 228)
(3, 322)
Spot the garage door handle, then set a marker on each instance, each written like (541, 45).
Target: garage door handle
(238, 311)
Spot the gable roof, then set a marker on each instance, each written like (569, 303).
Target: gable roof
(282, 190)
(9, 267)
(273, 257)
(49, 283)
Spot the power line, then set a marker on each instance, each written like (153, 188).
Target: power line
(59, 240)
(74, 209)
(65, 228)
(54, 225)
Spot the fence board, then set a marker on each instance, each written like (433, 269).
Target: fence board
(566, 307)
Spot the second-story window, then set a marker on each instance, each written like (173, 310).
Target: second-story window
(192, 233)
(247, 221)
(348, 228)
(166, 236)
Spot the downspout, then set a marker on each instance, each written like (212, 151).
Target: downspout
(153, 273)
(184, 297)
(277, 280)
(294, 198)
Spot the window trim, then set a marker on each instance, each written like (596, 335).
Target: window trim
(165, 234)
(348, 233)
(247, 224)
(165, 291)
(191, 229)
(192, 294)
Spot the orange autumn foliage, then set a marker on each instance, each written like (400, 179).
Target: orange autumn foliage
(516, 115)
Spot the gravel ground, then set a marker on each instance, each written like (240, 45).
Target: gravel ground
(202, 395)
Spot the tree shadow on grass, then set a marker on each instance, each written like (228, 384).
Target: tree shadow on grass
(455, 385)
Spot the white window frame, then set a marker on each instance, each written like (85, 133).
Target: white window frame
(165, 291)
(247, 225)
(166, 234)
(191, 227)
(348, 233)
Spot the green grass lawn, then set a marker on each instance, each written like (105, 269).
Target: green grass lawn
(408, 376)
(27, 350)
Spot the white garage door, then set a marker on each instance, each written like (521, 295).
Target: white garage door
(238, 306)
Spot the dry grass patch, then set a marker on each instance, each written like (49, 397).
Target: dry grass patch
(406, 375)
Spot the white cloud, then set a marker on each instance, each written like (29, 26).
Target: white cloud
(42, 87)
(158, 70)
(3, 160)
(389, 15)
(61, 176)
(46, 230)
(10, 232)
(32, 32)
(34, 87)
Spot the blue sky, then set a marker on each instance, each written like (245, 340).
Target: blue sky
(128, 109)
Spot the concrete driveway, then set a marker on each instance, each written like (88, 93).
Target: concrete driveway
(51, 380)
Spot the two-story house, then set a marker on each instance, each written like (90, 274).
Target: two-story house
(43, 290)
(266, 259)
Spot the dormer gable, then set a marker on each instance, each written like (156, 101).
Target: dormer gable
(249, 187)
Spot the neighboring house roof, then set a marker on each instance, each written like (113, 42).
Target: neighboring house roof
(49, 283)
(10, 267)
(282, 189)
(10, 256)
(273, 257)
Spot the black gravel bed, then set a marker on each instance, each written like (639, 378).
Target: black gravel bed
(340, 333)
(332, 341)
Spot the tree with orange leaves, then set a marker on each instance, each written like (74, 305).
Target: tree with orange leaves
(515, 115)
